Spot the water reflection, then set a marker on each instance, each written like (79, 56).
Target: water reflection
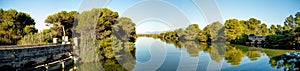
(253, 55)
(288, 61)
(123, 61)
(194, 54)
(216, 51)
(233, 55)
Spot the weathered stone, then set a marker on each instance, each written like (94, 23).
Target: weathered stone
(18, 56)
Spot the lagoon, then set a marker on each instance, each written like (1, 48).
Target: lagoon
(155, 54)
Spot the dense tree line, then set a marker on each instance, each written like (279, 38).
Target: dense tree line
(14, 25)
(110, 36)
(235, 28)
(237, 31)
(212, 32)
(279, 36)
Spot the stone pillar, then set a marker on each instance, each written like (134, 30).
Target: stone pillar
(55, 40)
(76, 49)
(46, 66)
(65, 40)
(62, 64)
(75, 41)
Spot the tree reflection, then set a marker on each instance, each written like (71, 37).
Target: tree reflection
(203, 46)
(233, 55)
(192, 48)
(90, 67)
(288, 61)
(112, 65)
(253, 55)
(121, 58)
(124, 60)
(216, 52)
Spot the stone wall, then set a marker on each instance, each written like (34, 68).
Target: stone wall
(24, 55)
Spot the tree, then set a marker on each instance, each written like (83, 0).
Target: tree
(297, 19)
(289, 21)
(14, 25)
(125, 29)
(106, 19)
(272, 29)
(213, 29)
(107, 34)
(37, 38)
(263, 31)
(61, 20)
(180, 32)
(286, 28)
(90, 49)
(170, 36)
(191, 32)
(279, 29)
(297, 36)
(202, 36)
(233, 29)
(208, 32)
(253, 25)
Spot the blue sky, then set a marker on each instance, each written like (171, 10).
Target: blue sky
(268, 11)
(39, 10)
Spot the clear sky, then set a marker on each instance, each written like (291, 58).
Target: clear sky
(268, 11)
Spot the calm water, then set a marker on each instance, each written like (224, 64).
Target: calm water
(155, 54)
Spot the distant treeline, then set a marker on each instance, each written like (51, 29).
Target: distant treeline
(283, 37)
(212, 32)
(235, 31)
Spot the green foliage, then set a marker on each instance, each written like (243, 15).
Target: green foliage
(288, 39)
(263, 30)
(124, 29)
(252, 25)
(180, 32)
(170, 36)
(214, 31)
(85, 30)
(272, 29)
(14, 25)
(216, 52)
(108, 36)
(275, 39)
(297, 19)
(233, 29)
(106, 19)
(253, 55)
(233, 55)
(289, 21)
(61, 19)
(37, 38)
(192, 32)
